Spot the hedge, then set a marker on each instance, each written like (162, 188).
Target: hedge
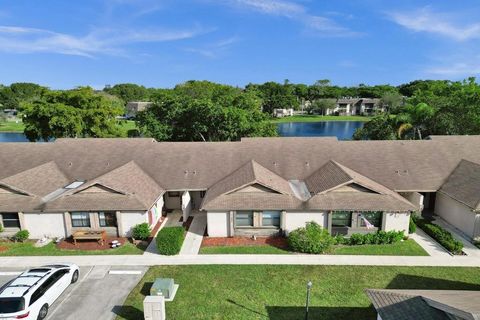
(441, 235)
(141, 231)
(170, 240)
(311, 239)
(379, 237)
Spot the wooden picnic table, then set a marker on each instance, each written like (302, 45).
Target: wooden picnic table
(99, 236)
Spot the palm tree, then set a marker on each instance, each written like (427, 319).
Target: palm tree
(413, 118)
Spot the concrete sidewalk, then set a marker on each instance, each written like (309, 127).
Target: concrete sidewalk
(194, 237)
(243, 259)
(469, 248)
(432, 247)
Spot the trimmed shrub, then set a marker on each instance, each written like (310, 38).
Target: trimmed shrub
(412, 227)
(379, 237)
(1, 228)
(339, 239)
(170, 240)
(441, 235)
(310, 239)
(141, 231)
(21, 236)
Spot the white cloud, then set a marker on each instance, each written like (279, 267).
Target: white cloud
(295, 11)
(425, 20)
(216, 49)
(97, 42)
(456, 69)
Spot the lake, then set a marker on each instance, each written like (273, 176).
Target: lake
(343, 130)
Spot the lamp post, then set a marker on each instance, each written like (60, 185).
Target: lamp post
(309, 285)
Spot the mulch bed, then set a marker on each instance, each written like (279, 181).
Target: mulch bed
(68, 244)
(279, 242)
(187, 224)
(3, 248)
(157, 226)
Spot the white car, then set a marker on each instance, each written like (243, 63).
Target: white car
(29, 296)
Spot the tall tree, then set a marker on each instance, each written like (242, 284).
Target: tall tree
(73, 113)
(204, 111)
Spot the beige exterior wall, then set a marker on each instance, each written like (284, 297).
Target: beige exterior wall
(415, 198)
(294, 220)
(130, 219)
(457, 214)
(218, 224)
(396, 221)
(186, 205)
(44, 224)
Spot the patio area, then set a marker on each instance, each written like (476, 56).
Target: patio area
(68, 244)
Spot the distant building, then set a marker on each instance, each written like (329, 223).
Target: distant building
(280, 113)
(134, 107)
(356, 107)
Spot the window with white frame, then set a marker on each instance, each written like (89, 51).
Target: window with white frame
(10, 220)
(271, 218)
(107, 219)
(244, 219)
(80, 219)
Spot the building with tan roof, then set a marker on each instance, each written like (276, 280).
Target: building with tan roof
(258, 186)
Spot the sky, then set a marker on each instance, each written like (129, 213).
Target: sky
(159, 43)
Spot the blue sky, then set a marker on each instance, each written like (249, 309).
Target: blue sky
(160, 43)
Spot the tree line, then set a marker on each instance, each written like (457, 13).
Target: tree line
(207, 111)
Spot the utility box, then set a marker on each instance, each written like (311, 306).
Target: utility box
(154, 308)
(162, 287)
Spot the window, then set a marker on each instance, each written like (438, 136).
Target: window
(10, 220)
(271, 218)
(374, 217)
(341, 219)
(81, 219)
(107, 219)
(244, 219)
(174, 194)
(11, 305)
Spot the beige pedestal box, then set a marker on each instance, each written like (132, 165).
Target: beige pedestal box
(154, 308)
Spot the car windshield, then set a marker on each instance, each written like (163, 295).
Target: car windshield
(11, 305)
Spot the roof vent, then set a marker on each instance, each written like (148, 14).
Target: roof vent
(186, 171)
(307, 163)
(275, 163)
(70, 164)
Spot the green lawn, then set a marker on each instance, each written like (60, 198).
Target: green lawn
(278, 291)
(317, 118)
(11, 126)
(404, 248)
(28, 249)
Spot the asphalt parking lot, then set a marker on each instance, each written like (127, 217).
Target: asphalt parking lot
(98, 293)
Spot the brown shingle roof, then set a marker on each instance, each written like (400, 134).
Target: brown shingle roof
(398, 165)
(332, 175)
(425, 304)
(130, 188)
(463, 184)
(40, 180)
(248, 174)
(396, 305)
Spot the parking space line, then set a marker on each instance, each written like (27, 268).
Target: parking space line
(125, 272)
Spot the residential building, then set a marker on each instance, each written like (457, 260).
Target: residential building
(425, 304)
(135, 107)
(356, 106)
(256, 186)
(280, 113)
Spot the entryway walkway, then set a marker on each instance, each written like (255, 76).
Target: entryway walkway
(432, 247)
(468, 247)
(194, 237)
